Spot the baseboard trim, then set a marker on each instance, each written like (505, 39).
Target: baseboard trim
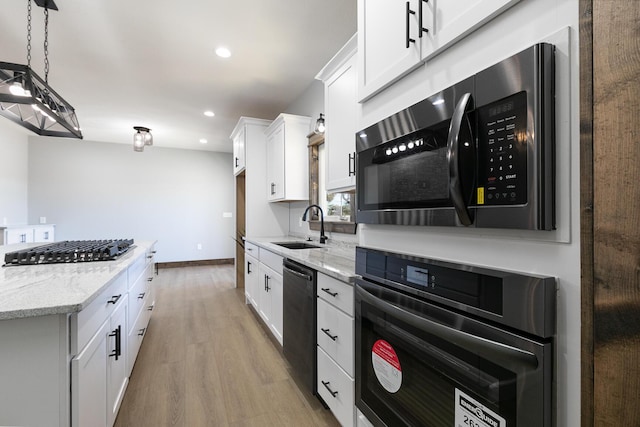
(196, 263)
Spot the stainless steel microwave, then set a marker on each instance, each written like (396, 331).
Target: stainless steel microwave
(478, 154)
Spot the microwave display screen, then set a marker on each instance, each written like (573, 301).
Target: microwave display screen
(502, 146)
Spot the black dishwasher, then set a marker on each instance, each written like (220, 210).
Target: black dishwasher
(299, 321)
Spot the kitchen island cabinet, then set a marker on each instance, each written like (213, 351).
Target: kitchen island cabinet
(63, 329)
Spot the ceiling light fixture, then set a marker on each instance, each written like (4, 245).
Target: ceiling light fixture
(141, 138)
(209, 113)
(319, 129)
(28, 100)
(203, 141)
(223, 52)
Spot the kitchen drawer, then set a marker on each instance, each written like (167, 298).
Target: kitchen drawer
(135, 270)
(85, 323)
(135, 337)
(335, 335)
(336, 292)
(138, 298)
(336, 388)
(271, 260)
(251, 249)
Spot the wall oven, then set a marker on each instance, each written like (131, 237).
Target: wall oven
(479, 153)
(442, 344)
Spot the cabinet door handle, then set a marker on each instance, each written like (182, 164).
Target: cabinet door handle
(117, 333)
(114, 299)
(273, 188)
(326, 385)
(150, 308)
(328, 290)
(266, 283)
(141, 332)
(248, 267)
(326, 331)
(421, 28)
(352, 158)
(410, 12)
(236, 162)
(149, 279)
(141, 296)
(46, 235)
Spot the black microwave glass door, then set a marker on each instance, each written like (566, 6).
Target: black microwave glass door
(436, 375)
(408, 172)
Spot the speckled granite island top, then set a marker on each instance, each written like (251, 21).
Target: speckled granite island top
(45, 289)
(334, 259)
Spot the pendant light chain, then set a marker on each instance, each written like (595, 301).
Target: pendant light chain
(46, 45)
(29, 34)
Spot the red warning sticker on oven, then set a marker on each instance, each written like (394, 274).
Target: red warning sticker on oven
(471, 413)
(386, 365)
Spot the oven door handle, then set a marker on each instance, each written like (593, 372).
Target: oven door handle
(460, 129)
(501, 354)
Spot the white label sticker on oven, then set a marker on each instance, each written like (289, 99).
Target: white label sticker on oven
(386, 365)
(471, 413)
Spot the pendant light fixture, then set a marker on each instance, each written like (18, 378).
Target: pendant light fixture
(319, 129)
(141, 138)
(27, 99)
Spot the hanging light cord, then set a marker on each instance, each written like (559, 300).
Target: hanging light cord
(29, 34)
(46, 45)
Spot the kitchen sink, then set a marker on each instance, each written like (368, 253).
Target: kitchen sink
(297, 245)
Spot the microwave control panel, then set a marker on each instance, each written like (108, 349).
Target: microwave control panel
(502, 151)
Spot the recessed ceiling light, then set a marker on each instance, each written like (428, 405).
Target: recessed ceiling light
(203, 141)
(223, 52)
(209, 113)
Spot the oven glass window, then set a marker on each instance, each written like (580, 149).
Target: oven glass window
(416, 379)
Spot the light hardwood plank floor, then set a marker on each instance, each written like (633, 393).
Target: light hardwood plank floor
(206, 361)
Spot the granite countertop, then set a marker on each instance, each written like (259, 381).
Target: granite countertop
(46, 289)
(335, 259)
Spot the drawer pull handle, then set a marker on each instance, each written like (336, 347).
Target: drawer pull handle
(141, 332)
(149, 256)
(328, 290)
(326, 331)
(326, 385)
(150, 308)
(149, 279)
(114, 299)
(141, 295)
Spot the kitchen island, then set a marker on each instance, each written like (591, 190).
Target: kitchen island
(69, 335)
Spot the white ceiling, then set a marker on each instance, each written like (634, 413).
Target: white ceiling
(125, 63)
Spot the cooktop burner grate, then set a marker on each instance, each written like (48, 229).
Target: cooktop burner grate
(69, 251)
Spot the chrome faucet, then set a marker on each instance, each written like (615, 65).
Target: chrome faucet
(323, 238)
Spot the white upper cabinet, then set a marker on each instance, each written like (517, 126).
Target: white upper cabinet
(447, 21)
(340, 79)
(396, 36)
(288, 158)
(238, 138)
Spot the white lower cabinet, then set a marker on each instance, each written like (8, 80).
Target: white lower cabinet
(335, 338)
(38, 233)
(263, 286)
(336, 388)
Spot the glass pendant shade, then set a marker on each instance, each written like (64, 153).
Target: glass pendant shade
(29, 101)
(319, 124)
(141, 138)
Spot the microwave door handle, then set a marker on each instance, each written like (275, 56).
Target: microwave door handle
(459, 124)
(501, 354)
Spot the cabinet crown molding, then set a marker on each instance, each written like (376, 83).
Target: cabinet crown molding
(344, 54)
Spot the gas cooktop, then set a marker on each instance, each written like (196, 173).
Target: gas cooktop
(69, 251)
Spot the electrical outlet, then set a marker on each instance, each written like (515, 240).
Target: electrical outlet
(199, 246)
(43, 220)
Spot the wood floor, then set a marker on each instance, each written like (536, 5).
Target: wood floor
(206, 361)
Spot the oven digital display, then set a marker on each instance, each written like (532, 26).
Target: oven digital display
(418, 275)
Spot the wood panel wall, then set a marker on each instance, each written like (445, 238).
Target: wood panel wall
(611, 272)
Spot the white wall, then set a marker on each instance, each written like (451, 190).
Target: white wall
(556, 253)
(13, 173)
(93, 190)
